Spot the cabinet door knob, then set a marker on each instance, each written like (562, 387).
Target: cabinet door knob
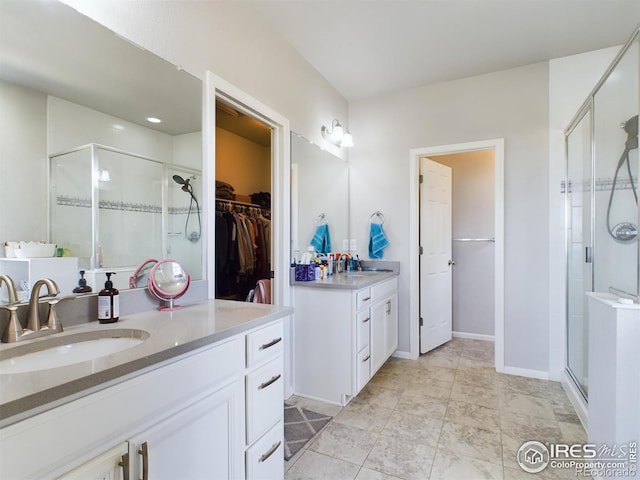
(366, 359)
(271, 381)
(366, 299)
(271, 343)
(144, 451)
(366, 320)
(270, 452)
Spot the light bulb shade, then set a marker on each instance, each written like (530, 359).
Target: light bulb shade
(336, 133)
(347, 140)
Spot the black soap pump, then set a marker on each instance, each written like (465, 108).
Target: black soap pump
(82, 285)
(108, 302)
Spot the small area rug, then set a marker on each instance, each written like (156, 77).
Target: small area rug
(300, 426)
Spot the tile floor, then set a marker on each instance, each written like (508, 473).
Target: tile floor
(448, 415)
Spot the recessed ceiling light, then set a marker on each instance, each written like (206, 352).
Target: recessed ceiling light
(154, 120)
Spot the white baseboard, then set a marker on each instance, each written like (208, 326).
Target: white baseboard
(576, 399)
(525, 372)
(403, 354)
(474, 336)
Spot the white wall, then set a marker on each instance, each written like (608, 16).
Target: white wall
(510, 104)
(234, 42)
(23, 177)
(571, 79)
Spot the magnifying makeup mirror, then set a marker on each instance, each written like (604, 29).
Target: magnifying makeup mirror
(167, 281)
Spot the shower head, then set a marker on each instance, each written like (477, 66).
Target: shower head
(186, 186)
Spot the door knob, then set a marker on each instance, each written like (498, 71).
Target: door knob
(451, 262)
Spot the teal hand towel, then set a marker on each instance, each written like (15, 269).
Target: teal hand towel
(377, 241)
(321, 241)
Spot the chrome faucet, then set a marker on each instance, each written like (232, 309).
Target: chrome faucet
(33, 314)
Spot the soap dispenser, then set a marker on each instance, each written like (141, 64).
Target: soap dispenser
(82, 285)
(108, 302)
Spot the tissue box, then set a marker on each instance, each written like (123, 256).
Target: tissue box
(305, 273)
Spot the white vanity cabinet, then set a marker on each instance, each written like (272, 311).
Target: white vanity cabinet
(342, 337)
(192, 418)
(264, 387)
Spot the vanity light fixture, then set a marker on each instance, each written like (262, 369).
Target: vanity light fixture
(153, 120)
(104, 175)
(337, 135)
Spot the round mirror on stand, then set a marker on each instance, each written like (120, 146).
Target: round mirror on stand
(168, 281)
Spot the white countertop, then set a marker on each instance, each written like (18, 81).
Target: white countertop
(612, 300)
(171, 335)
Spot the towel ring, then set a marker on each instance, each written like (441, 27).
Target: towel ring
(377, 215)
(322, 219)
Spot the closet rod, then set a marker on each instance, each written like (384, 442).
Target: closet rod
(255, 205)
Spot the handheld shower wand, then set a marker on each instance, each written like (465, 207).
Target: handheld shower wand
(187, 187)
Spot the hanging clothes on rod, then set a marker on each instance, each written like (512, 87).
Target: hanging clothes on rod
(243, 247)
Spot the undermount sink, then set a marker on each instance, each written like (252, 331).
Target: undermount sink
(58, 351)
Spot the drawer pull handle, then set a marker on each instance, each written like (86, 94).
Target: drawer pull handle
(366, 299)
(366, 320)
(271, 343)
(273, 380)
(271, 451)
(144, 451)
(366, 359)
(124, 463)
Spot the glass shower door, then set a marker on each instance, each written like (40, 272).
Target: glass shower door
(579, 247)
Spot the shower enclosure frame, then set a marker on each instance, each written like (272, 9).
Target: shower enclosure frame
(95, 196)
(589, 108)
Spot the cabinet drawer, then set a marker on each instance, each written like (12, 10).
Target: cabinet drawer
(363, 327)
(363, 368)
(384, 289)
(265, 398)
(363, 298)
(264, 459)
(264, 344)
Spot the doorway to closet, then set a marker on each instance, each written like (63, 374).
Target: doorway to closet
(243, 242)
(474, 243)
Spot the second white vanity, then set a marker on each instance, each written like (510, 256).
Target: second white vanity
(345, 328)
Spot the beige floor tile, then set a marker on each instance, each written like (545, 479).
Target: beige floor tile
(486, 397)
(478, 376)
(401, 458)
(519, 474)
(368, 474)
(390, 381)
(422, 405)
(315, 466)
(344, 442)
(377, 396)
(365, 416)
(424, 430)
(448, 466)
(478, 443)
(474, 415)
(429, 387)
(435, 373)
(526, 405)
(440, 359)
(572, 432)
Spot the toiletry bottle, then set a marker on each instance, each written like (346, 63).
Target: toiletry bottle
(108, 302)
(82, 285)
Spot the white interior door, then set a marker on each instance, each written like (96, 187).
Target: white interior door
(435, 258)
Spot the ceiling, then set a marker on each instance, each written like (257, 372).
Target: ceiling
(370, 47)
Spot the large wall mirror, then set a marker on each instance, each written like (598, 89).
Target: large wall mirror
(83, 163)
(319, 195)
